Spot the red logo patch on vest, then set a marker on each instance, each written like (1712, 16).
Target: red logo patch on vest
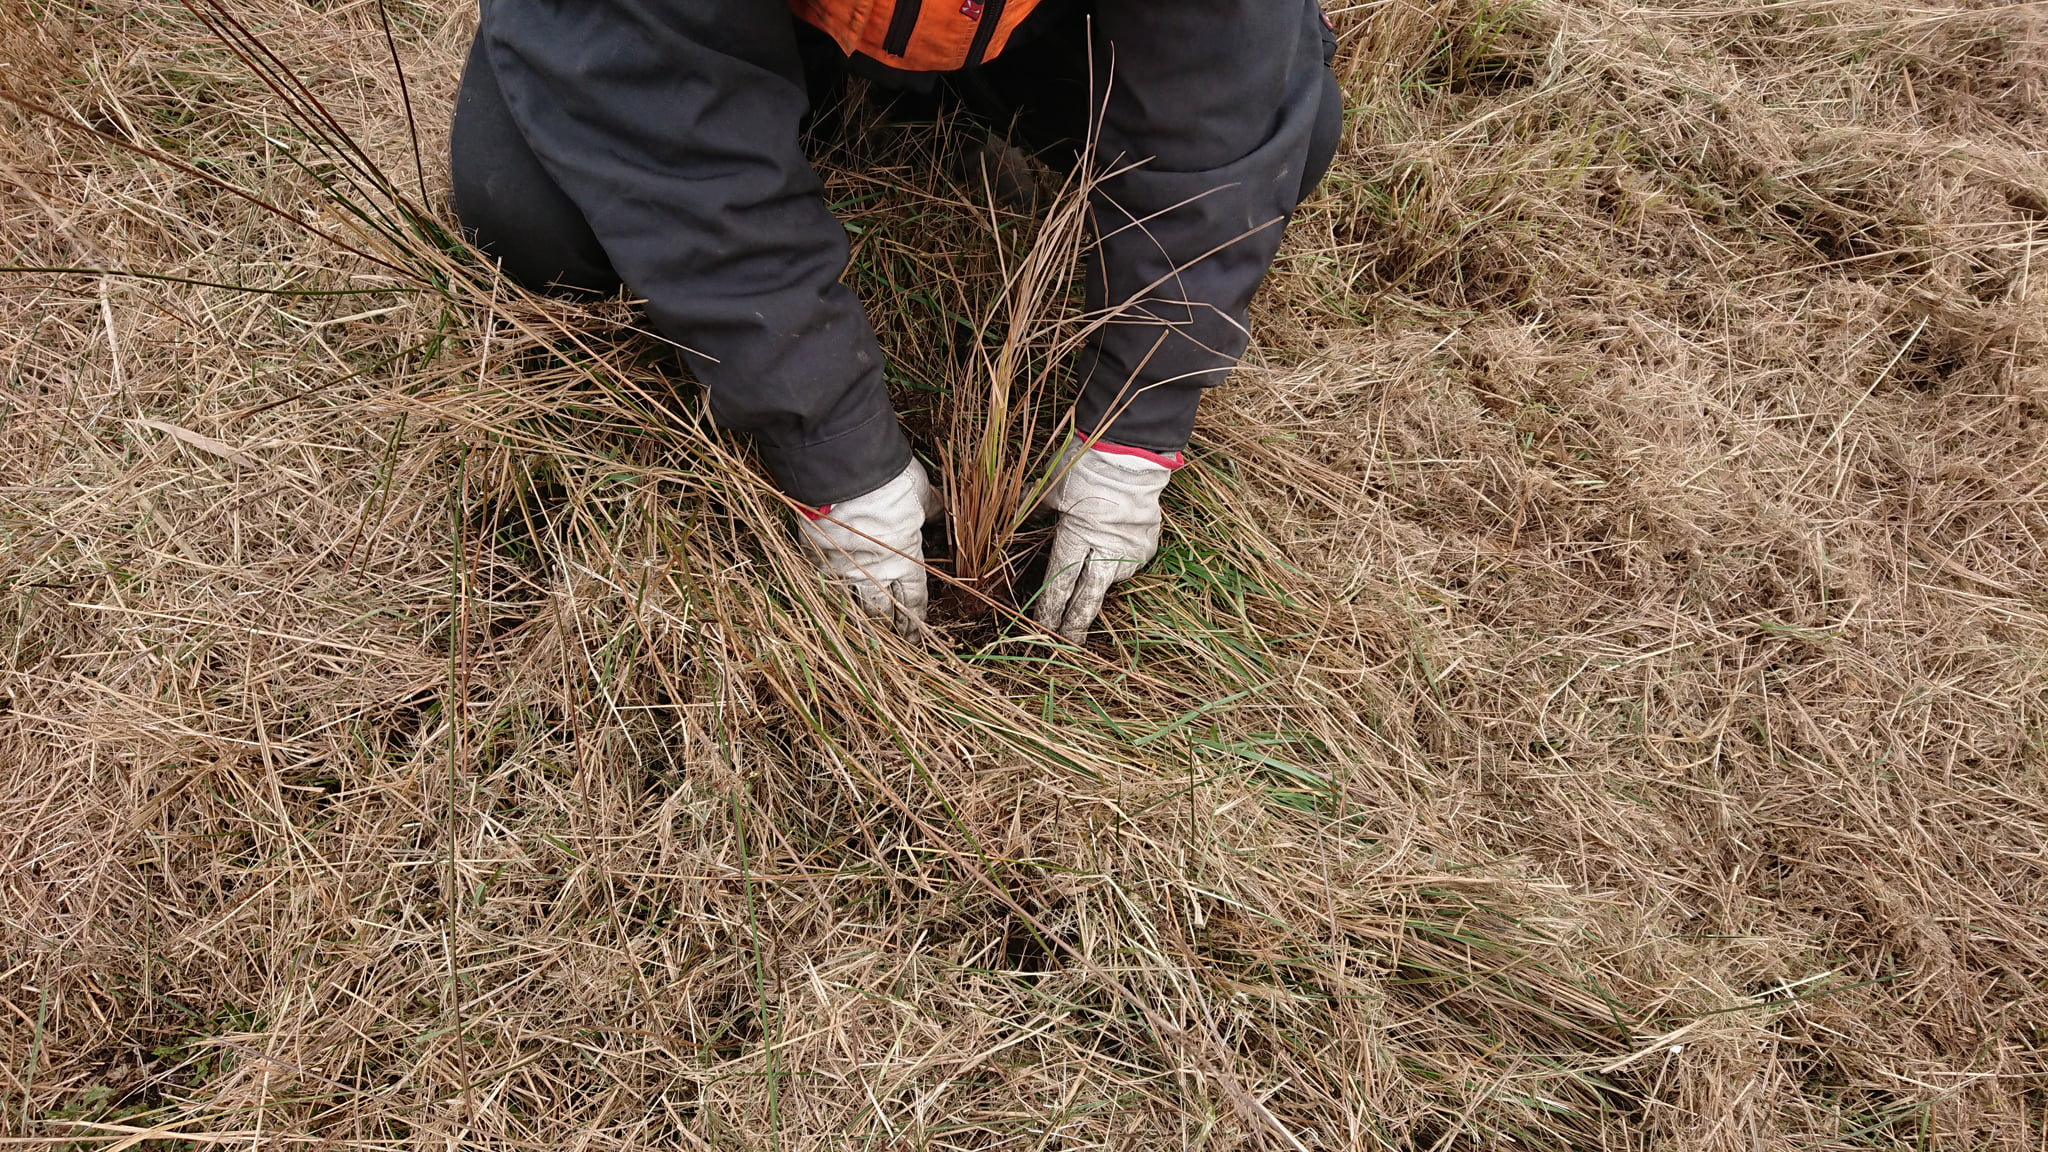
(971, 9)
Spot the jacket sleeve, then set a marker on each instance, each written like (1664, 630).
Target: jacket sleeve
(673, 125)
(1216, 103)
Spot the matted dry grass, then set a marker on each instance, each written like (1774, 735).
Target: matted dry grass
(1592, 695)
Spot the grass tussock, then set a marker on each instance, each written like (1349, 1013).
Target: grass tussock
(1003, 426)
(1591, 693)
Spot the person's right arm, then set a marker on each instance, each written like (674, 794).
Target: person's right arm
(673, 125)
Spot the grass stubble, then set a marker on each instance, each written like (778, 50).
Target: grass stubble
(1591, 694)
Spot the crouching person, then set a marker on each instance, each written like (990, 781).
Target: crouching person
(654, 144)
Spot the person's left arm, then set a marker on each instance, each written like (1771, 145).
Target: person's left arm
(1221, 115)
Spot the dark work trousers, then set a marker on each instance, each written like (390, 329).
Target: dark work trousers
(655, 143)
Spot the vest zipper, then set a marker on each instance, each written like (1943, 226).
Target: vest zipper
(984, 31)
(902, 22)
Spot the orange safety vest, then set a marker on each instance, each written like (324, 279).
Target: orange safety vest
(916, 36)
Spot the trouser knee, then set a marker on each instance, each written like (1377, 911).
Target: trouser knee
(506, 201)
(1324, 137)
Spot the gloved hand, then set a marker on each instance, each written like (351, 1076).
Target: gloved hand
(875, 543)
(1108, 500)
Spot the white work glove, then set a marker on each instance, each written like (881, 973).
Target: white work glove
(1108, 500)
(875, 544)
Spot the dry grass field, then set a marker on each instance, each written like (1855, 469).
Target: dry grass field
(1593, 695)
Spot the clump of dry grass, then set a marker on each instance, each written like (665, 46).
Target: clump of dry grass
(992, 449)
(1592, 694)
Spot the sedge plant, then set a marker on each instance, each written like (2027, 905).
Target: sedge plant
(988, 452)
